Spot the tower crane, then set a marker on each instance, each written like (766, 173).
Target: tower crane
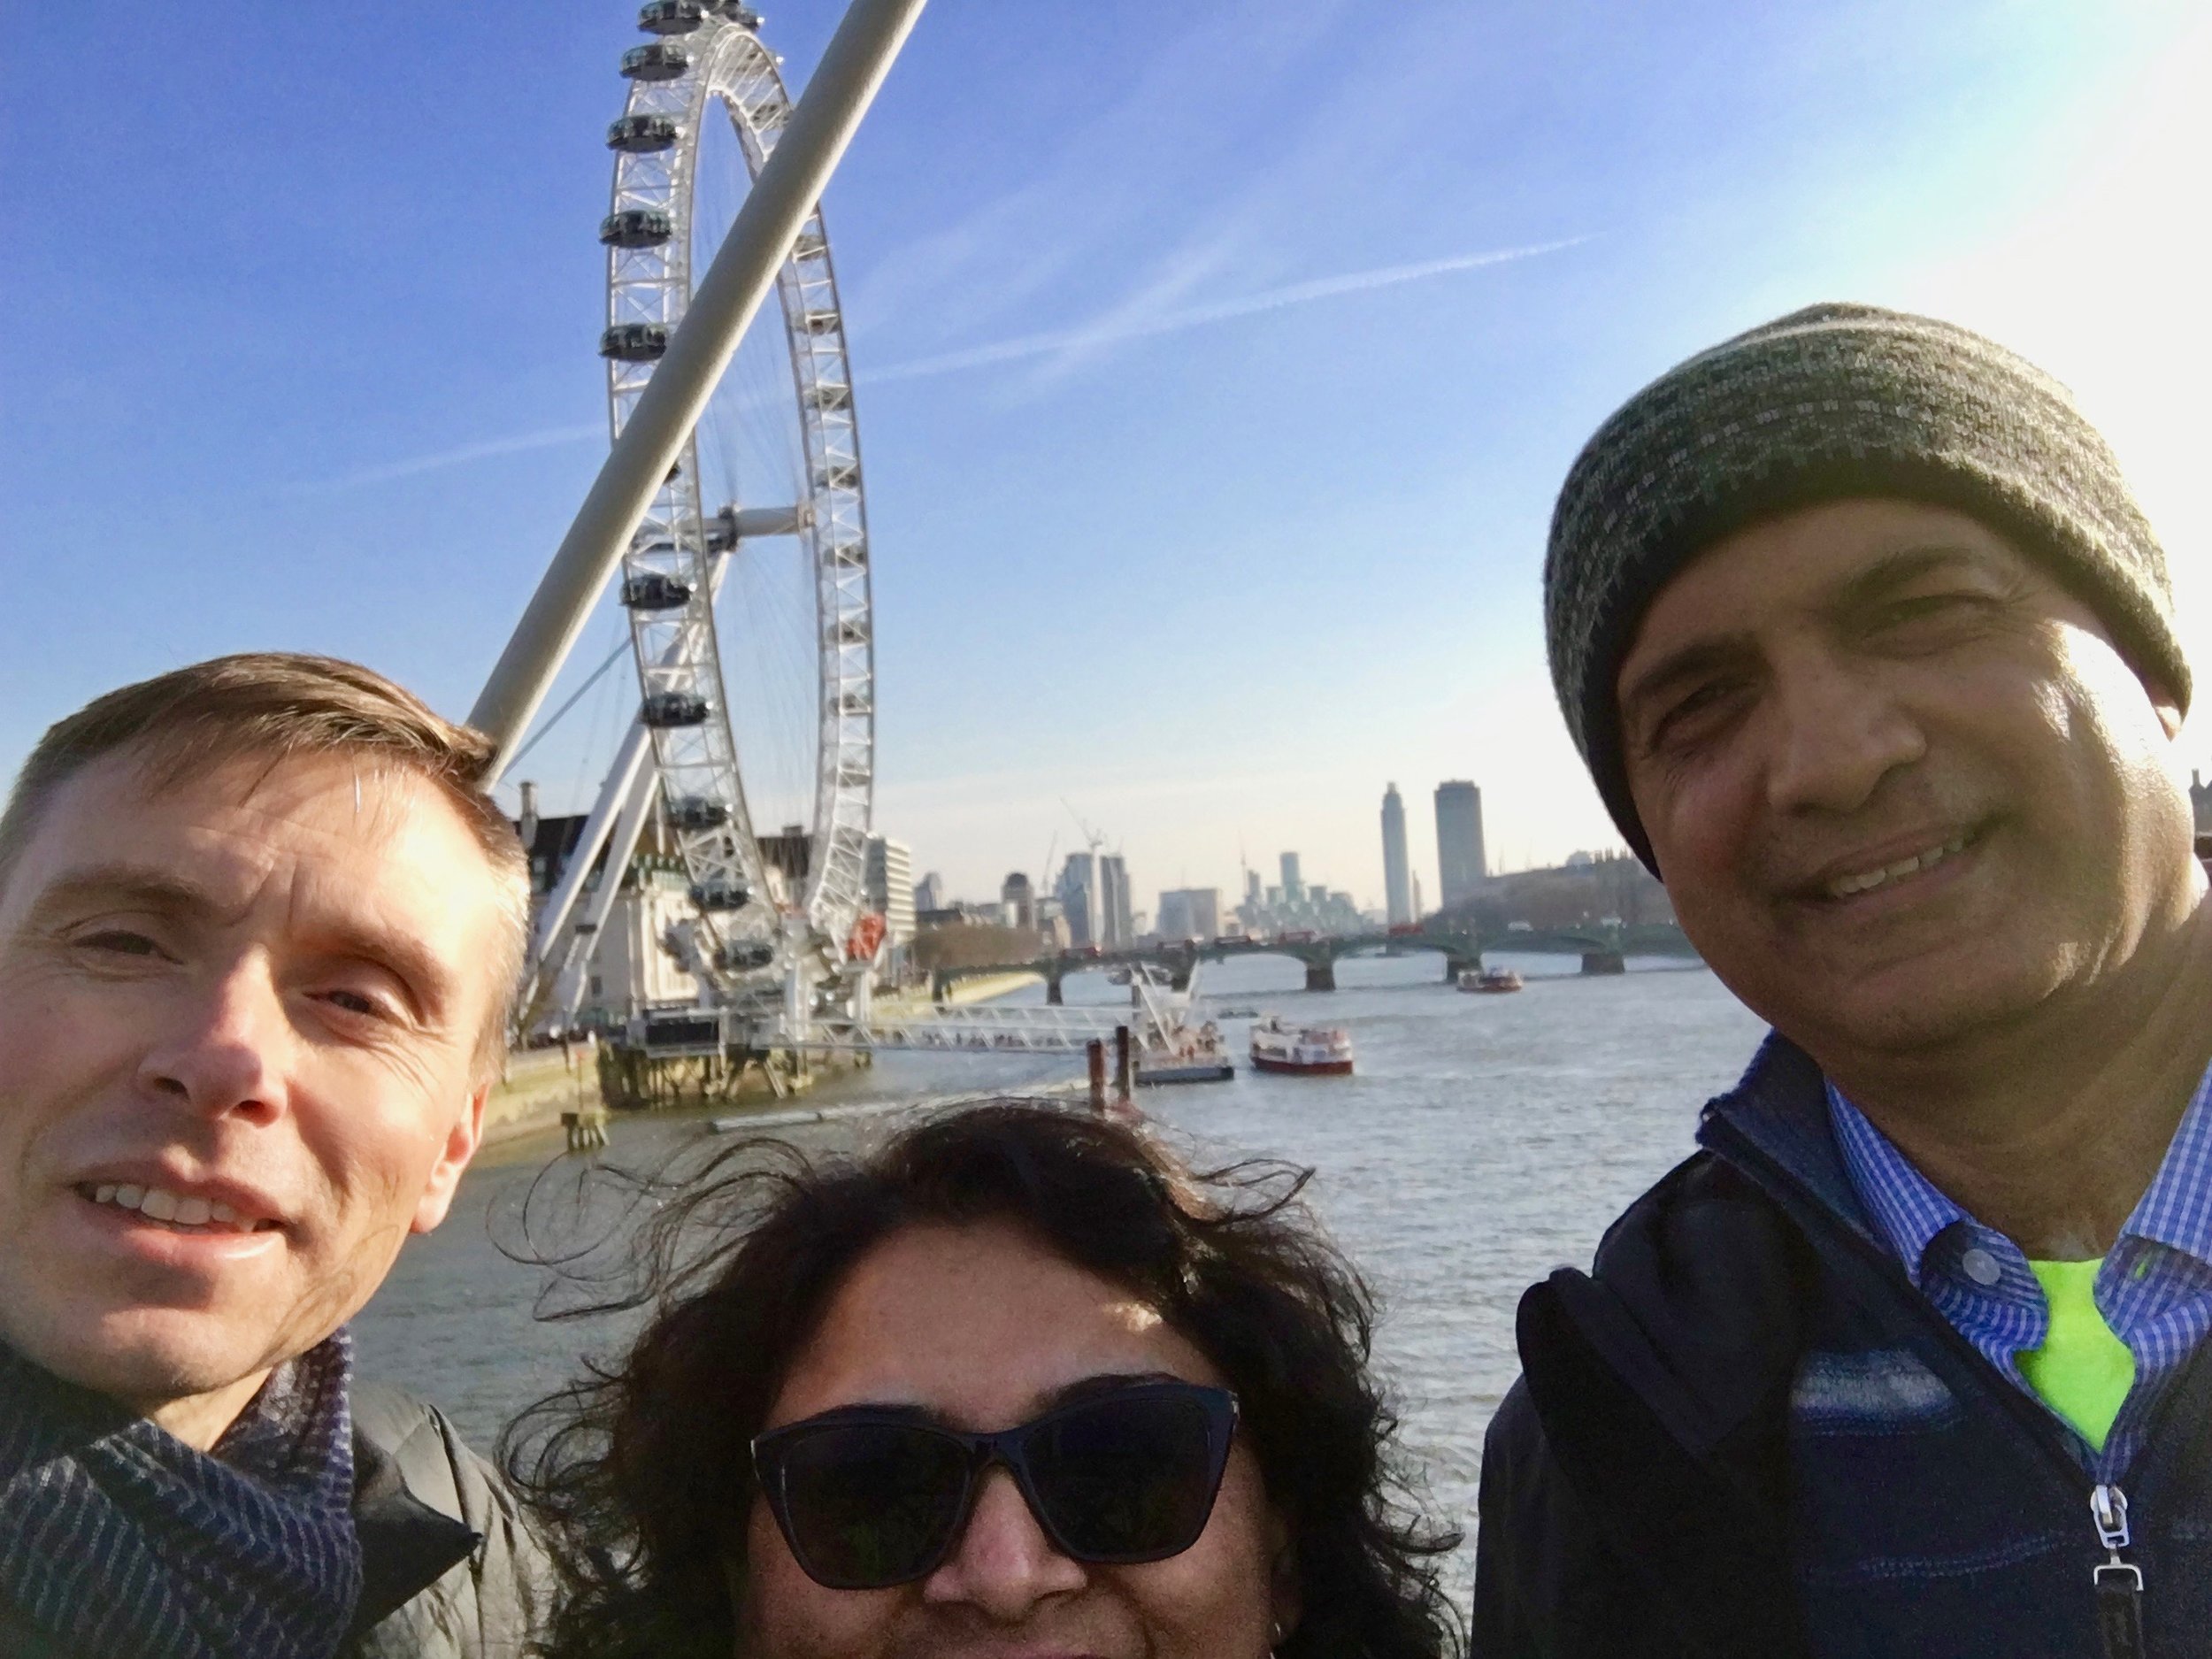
(1092, 839)
(1110, 913)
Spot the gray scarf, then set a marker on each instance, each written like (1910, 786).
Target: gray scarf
(123, 1541)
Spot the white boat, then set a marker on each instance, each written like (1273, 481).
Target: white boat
(1301, 1050)
(1489, 981)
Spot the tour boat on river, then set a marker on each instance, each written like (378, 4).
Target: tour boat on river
(1302, 1050)
(1489, 981)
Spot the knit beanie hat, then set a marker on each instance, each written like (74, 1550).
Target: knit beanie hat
(1826, 403)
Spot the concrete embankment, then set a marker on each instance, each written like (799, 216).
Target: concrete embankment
(541, 1084)
(963, 993)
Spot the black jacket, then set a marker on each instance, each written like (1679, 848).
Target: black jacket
(1745, 1433)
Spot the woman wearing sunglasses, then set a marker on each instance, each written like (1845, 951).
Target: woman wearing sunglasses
(1016, 1384)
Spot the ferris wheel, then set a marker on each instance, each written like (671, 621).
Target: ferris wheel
(746, 584)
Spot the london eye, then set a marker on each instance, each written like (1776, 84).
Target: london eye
(746, 586)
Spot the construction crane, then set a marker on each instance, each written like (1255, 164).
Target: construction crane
(1092, 839)
(1110, 913)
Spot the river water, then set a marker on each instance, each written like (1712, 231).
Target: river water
(1484, 1140)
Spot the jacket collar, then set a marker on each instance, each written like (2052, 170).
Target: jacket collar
(1694, 1289)
(1658, 1377)
(1777, 1116)
(406, 1546)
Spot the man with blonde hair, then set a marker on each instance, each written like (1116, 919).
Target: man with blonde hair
(260, 927)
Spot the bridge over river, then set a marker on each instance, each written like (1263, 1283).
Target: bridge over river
(1603, 950)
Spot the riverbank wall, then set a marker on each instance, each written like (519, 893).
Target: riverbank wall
(542, 1083)
(961, 994)
(539, 1085)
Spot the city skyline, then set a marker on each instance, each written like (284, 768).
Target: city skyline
(1378, 271)
(1093, 892)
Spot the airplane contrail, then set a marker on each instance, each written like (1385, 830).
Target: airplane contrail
(1198, 316)
(460, 456)
(1092, 333)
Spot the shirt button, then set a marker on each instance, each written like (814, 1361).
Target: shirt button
(1980, 1267)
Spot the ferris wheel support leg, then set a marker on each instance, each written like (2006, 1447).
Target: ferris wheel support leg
(722, 306)
(622, 788)
(798, 989)
(614, 794)
(568, 990)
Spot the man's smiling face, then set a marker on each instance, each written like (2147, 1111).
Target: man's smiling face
(1899, 783)
(240, 1023)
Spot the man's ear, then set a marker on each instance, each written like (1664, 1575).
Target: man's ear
(461, 1142)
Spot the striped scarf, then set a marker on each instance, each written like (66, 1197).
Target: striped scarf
(124, 1542)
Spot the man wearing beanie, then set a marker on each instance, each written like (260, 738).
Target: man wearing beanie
(1872, 657)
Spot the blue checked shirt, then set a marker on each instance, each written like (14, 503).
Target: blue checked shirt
(2155, 1289)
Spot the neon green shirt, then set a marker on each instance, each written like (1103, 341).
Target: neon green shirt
(2081, 1371)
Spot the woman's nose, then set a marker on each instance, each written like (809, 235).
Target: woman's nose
(1004, 1564)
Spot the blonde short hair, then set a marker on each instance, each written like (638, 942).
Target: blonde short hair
(279, 705)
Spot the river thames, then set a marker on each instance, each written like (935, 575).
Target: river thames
(1484, 1140)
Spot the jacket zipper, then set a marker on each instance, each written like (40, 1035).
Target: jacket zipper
(2117, 1582)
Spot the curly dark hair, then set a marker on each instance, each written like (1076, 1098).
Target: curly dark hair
(642, 1473)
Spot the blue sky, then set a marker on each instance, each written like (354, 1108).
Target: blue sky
(1212, 399)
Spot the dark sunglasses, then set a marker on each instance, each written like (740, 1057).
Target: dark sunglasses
(867, 1499)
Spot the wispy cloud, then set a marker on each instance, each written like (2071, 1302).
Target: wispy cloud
(1095, 197)
(551, 438)
(1137, 317)
(1123, 322)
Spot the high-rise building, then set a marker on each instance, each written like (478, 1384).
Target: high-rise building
(1190, 913)
(929, 893)
(1294, 887)
(1017, 894)
(1397, 892)
(889, 882)
(1174, 915)
(1116, 926)
(1252, 887)
(1078, 893)
(1460, 864)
